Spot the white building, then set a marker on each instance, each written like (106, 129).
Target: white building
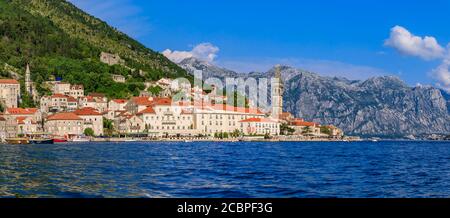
(164, 119)
(67, 125)
(58, 103)
(117, 104)
(96, 101)
(260, 126)
(9, 92)
(92, 119)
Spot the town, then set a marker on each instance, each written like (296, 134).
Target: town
(69, 114)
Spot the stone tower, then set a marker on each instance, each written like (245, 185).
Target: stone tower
(277, 94)
(28, 82)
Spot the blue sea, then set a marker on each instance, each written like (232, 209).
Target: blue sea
(391, 169)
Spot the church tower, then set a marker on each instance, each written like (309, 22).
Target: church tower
(277, 94)
(28, 82)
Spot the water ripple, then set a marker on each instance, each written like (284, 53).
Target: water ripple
(159, 170)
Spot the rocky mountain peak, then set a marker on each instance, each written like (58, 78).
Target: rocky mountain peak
(381, 106)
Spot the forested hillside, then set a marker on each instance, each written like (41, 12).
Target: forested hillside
(61, 41)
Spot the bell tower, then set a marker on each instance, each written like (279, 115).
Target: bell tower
(28, 82)
(277, 94)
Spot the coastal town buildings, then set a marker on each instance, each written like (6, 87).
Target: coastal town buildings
(260, 126)
(20, 121)
(66, 124)
(57, 87)
(302, 127)
(117, 104)
(9, 93)
(130, 124)
(211, 119)
(97, 101)
(58, 103)
(67, 112)
(161, 118)
(26, 126)
(33, 113)
(91, 119)
(137, 104)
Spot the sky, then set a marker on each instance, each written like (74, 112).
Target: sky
(349, 38)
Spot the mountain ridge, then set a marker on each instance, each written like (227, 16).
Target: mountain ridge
(380, 106)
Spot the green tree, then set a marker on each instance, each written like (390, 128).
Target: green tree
(286, 130)
(89, 132)
(108, 126)
(155, 90)
(307, 130)
(325, 130)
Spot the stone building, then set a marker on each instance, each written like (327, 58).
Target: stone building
(128, 124)
(58, 103)
(118, 78)
(66, 124)
(92, 119)
(260, 126)
(97, 101)
(111, 59)
(117, 104)
(9, 93)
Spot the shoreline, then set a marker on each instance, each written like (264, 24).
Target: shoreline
(233, 140)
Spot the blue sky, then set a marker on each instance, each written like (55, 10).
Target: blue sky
(342, 38)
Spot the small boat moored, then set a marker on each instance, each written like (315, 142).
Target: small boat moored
(17, 141)
(59, 140)
(41, 141)
(81, 139)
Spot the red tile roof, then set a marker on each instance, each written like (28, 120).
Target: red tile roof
(64, 116)
(8, 81)
(59, 96)
(144, 101)
(21, 111)
(21, 120)
(303, 123)
(120, 101)
(71, 99)
(257, 120)
(87, 111)
(162, 101)
(148, 110)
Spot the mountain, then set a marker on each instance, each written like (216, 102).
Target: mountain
(60, 40)
(380, 106)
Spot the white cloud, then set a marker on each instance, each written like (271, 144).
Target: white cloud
(406, 43)
(203, 51)
(442, 72)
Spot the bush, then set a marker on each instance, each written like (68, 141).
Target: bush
(89, 132)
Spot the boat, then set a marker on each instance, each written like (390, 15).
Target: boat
(41, 141)
(39, 138)
(81, 140)
(17, 141)
(59, 140)
(374, 139)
